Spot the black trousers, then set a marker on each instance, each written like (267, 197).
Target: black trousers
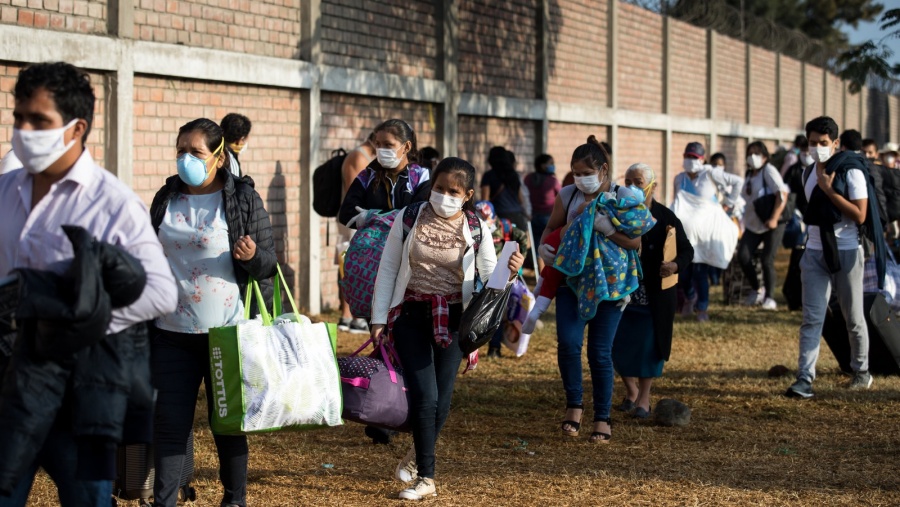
(750, 241)
(179, 362)
(430, 374)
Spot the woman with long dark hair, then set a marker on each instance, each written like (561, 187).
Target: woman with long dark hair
(502, 186)
(392, 181)
(425, 280)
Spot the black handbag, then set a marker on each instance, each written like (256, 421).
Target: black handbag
(765, 205)
(482, 318)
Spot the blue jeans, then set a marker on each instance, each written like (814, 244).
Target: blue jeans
(59, 458)
(570, 338)
(696, 283)
(539, 222)
(429, 371)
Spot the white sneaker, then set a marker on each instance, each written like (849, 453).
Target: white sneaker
(769, 304)
(540, 306)
(406, 469)
(423, 487)
(753, 299)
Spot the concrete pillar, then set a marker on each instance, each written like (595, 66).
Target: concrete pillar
(612, 66)
(543, 75)
(778, 122)
(448, 116)
(120, 18)
(748, 95)
(309, 295)
(712, 80)
(120, 117)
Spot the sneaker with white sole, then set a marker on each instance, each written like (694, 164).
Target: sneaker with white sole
(406, 469)
(344, 324)
(862, 380)
(769, 304)
(359, 326)
(422, 488)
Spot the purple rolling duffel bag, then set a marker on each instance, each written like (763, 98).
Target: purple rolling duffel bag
(373, 388)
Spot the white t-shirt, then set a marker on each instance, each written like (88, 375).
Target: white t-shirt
(754, 188)
(194, 236)
(846, 231)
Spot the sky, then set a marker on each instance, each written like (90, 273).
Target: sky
(870, 31)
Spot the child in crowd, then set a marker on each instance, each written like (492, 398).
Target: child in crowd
(623, 209)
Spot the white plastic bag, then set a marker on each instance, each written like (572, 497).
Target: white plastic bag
(711, 232)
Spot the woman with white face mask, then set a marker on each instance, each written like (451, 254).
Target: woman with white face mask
(392, 181)
(591, 169)
(762, 180)
(704, 181)
(425, 280)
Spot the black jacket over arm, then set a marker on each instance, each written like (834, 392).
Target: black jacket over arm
(663, 302)
(246, 216)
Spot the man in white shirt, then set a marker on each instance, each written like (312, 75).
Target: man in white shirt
(60, 184)
(837, 190)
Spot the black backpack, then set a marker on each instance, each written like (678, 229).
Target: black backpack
(327, 185)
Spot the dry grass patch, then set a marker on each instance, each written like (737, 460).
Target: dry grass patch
(746, 444)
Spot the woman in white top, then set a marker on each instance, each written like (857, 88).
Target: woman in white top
(216, 234)
(762, 180)
(704, 181)
(426, 278)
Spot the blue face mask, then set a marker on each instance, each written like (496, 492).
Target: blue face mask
(550, 169)
(192, 170)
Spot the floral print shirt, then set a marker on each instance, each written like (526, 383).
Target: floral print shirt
(194, 236)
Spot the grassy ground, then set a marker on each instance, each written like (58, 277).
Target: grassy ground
(746, 444)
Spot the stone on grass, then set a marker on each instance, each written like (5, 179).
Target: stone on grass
(779, 370)
(669, 412)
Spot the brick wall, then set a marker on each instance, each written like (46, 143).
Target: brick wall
(577, 42)
(84, 16)
(497, 53)
(834, 106)
(477, 135)
(9, 72)
(791, 93)
(261, 27)
(763, 87)
(735, 151)
(815, 92)
(640, 146)
(346, 122)
(688, 81)
(563, 138)
(731, 79)
(161, 106)
(396, 36)
(640, 62)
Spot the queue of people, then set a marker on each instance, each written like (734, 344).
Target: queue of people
(207, 234)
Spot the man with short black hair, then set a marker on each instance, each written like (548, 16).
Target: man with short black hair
(870, 149)
(60, 184)
(837, 191)
(236, 128)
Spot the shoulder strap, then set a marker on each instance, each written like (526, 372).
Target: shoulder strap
(410, 214)
(807, 172)
(474, 228)
(571, 198)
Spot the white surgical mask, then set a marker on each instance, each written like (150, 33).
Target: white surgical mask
(692, 165)
(387, 158)
(588, 184)
(806, 159)
(39, 149)
(821, 154)
(755, 161)
(444, 205)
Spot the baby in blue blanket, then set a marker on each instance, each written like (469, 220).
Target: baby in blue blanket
(595, 267)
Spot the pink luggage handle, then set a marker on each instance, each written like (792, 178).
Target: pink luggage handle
(388, 354)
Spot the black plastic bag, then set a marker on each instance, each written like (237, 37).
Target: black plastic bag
(482, 318)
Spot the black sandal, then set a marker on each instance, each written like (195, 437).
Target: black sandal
(574, 424)
(598, 437)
